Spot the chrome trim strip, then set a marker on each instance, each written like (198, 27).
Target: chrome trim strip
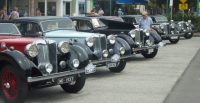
(143, 48)
(56, 75)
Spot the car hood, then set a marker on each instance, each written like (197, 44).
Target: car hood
(69, 34)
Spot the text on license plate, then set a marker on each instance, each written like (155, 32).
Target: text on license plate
(109, 65)
(65, 80)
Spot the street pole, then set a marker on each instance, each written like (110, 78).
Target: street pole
(171, 8)
(167, 8)
(85, 7)
(197, 8)
(110, 7)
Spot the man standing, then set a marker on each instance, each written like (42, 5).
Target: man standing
(4, 15)
(146, 24)
(14, 14)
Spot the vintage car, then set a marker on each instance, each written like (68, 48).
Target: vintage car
(185, 28)
(164, 28)
(27, 62)
(140, 41)
(101, 51)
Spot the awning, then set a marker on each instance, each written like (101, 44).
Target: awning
(139, 2)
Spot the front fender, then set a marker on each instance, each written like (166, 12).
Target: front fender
(18, 59)
(128, 39)
(80, 53)
(122, 43)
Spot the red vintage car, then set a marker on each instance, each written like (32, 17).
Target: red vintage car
(27, 62)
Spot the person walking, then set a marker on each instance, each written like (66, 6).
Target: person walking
(3, 13)
(146, 24)
(14, 14)
(120, 12)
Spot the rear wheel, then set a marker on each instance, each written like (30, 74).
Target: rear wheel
(174, 39)
(148, 54)
(13, 85)
(120, 66)
(74, 86)
(188, 35)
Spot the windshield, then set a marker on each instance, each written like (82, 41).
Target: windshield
(161, 19)
(8, 29)
(57, 24)
(97, 23)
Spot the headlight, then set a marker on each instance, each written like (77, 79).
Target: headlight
(64, 47)
(172, 26)
(49, 68)
(122, 50)
(132, 33)
(90, 41)
(31, 50)
(161, 26)
(111, 39)
(75, 63)
(105, 53)
(189, 21)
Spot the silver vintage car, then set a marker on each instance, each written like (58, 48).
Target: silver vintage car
(100, 49)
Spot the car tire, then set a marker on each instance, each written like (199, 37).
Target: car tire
(74, 87)
(188, 36)
(150, 55)
(120, 67)
(174, 41)
(13, 85)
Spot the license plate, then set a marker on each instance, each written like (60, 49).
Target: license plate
(151, 50)
(90, 68)
(110, 65)
(174, 37)
(65, 80)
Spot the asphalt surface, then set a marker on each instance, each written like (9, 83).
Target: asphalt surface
(142, 81)
(187, 89)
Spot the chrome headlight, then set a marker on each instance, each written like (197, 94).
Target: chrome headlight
(111, 39)
(189, 21)
(105, 53)
(122, 50)
(31, 50)
(49, 68)
(90, 41)
(64, 47)
(162, 26)
(172, 26)
(132, 33)
(75, 63)
(187, 24)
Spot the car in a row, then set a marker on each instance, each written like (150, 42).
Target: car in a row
(38, 52)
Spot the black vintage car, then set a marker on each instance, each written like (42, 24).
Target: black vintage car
(101, 51)
(167, 30)
(139, 40)
(30, 62)
(185, 28)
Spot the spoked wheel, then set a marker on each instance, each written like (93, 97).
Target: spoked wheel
(74, 86)
(13, 85)
(188, 35)
(150, 54)
(120, 66)
(174, 39)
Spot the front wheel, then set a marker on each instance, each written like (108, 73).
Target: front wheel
(120, 66)
(150, 54)
(188, 35)
(74, 86)
(13, 85)
(174, 39)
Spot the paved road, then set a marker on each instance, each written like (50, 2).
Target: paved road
(143, 81)
(187, 89)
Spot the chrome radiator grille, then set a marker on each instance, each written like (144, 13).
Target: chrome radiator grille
(100, 45)
(47, 54)
(139, 37)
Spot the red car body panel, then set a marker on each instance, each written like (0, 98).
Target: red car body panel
(19, 43)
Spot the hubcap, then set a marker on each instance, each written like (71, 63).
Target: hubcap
(9, 84)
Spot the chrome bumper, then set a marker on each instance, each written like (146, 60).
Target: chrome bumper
(55, 75)
(172, 35)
